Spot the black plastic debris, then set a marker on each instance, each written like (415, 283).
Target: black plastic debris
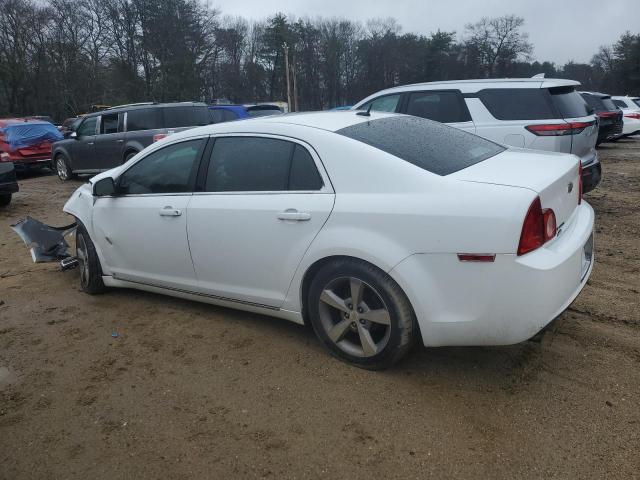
(47, 243)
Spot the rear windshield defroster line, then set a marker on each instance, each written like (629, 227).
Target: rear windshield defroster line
(430, 145)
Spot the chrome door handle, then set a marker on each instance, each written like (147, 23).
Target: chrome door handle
(294, 215)
(170, 212)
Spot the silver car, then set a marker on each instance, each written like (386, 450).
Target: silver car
(536, 113)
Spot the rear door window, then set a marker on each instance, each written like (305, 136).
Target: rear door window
(568, 102)
(255, 164)
(620, 103)
(517, 103)
(430, 145)
(144, 119)
(386, 103)
(221, 115)
(109, 124)
(445, 107)
(185, 116)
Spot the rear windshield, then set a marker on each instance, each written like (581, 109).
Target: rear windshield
(636, 101)
(599, 104)
(185, 116)
(430, 145)
(568, 102)
(263, 112)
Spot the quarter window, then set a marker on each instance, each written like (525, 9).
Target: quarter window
(143, 119)
(620, 103)
(186, 116)
(445, 107)
(517, 103)
(254, 164)
(88, 127)
(168, 170)
(387, 103)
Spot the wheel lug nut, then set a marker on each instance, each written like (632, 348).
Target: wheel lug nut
(362, 321)
(350, 307)
(360, 310)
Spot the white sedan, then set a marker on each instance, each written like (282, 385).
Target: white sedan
(377, 229)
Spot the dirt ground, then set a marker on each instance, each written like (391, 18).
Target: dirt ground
(193, 391)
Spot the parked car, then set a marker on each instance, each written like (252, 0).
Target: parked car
(228, 113)
(378, 229)
(630, 107)
(534, 113)
(110, 137)
(8, 183)
(27, 142)
(70, 125)
(610, 116)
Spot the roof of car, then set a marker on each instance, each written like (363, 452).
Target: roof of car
(141, 106)
(597, 94)
(475, 85)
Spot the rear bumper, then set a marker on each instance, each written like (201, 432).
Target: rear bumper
(498, 303)
(24, 164)
(591, 176)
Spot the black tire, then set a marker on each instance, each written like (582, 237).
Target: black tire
(62, 168)
(5, 199)
(88, 263)
(129, 156)
(395, 338)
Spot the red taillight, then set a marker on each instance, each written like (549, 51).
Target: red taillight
(608, 114)
(4, 157)
(558, 129)
(633, 115)
(579, 183)
(538, 228)
(159, 136)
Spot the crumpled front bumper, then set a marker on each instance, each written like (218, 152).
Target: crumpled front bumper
(47, 243)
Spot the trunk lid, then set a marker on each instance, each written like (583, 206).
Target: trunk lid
(553, 176)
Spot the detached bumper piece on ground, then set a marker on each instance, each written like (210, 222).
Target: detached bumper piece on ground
(47, 243)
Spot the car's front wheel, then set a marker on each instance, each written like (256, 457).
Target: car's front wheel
(88, 263)
(62, 168)
(361, 314)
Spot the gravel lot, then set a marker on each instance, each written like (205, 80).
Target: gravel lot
(193, 391)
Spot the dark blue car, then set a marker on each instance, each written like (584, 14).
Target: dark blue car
(228, 113)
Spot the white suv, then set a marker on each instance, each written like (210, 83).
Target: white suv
(535, 113)
(631, 110)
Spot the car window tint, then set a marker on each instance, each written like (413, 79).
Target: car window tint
(387, 103)
(517, 103)
(109, 124)
(445, 107)
(249, 164)
(263, 112)
(620, 103)
(303, 174)
(185, 116)
(167, 170)
(608, 103)
(636, 101)
(594, 102)
(144, 119)
(568, 102)
(220, 115)
(430, 145)
(88, 127)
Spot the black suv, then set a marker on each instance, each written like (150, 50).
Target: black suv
(610, 116)
(106, 139)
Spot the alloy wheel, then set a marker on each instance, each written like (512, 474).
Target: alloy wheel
(61, 168)
(83, 260)
(354, 316)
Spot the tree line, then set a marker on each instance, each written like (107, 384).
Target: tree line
(60, 57)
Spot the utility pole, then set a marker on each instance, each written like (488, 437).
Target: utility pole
(295, 84)
(286, 67)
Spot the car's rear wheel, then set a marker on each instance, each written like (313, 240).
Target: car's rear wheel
(88, 263)
(5, 199)
(361, 314)
(62, 168)
(129, 155)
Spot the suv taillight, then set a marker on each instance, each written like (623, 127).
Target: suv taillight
(558, 129)
(633, 115)
(538, 228)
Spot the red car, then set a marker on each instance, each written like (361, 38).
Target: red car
(27, 142)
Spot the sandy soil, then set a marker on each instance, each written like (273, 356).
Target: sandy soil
(194, 391)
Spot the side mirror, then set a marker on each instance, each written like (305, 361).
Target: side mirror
(73, 135)
(104, 187)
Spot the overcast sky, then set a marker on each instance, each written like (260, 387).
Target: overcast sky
(560, 30)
